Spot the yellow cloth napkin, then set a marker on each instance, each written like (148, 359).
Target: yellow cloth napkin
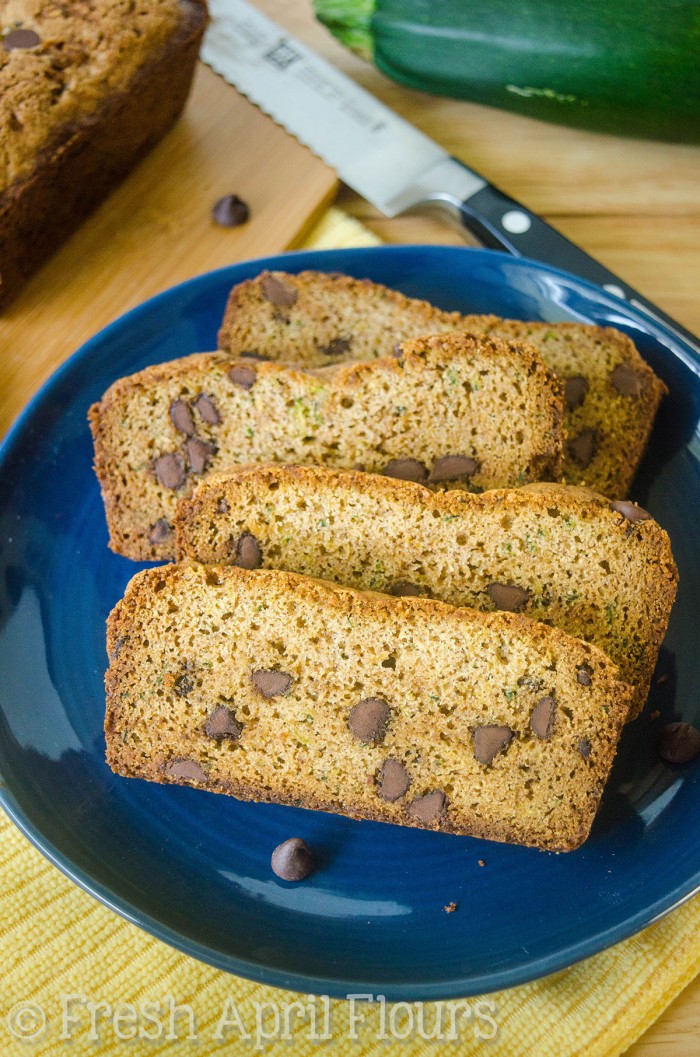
(78, 980)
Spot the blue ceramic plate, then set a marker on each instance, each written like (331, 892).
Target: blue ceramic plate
(193, 868)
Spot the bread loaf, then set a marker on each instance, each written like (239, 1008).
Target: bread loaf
(313, 318)
(270, 686)
(450, 411)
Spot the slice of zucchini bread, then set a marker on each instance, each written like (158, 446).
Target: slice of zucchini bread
(315, 318)
(275, 687)
(451, 411)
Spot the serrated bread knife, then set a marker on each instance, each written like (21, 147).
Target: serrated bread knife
(377, 153)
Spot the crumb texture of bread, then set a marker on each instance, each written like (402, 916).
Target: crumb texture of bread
(450, 411)
(314, 318)
(556, 553)
(86, 88)
(275, 687)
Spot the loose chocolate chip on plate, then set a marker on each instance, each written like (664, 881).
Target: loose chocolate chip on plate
(170, 471)
(543, 716)
(583, 447)
(429, 807)
(277, 292)
(230, 211)
(292, 860)
(198, 454)
(393, 780)
(270, 682)
(337, 347)
(206, 409)
(508, 597)
(247, 553)
(189, 770)
(404, 589)
(20, 38)
(584, 674)
(160, 532)
(181, 417)
(452, 467)
(584, 747)
(678, 743)
(630, 511)
(490, 740)
(222, 723)
(369, 718)
(183, 686)
(575, 390)
(627, 381)
(243, 376)
(406, 470)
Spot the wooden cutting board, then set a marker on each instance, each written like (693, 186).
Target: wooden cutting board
(156, 230)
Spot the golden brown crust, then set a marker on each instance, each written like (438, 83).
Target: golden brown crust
(443, 395)
(441, 671)
(607, 431)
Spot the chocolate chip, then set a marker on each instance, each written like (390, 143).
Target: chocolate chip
(575, 390)
(630, 511)
(679, 743)
(583, 447)
(543, 716)
(627, 381)
(406, 470)
(161, 531)
(429, 807)
(531, 682)
(170, 471)
(508, 597)
(181, 417)
(206, 409)
(337, 347)
(183, 686)
(393, 780)
(277, 292)
(230, 211)
(20, 38)
(222, 723)
(584, 747)
(584, 674)
(198, 454)
(118, 647)
(222, 507)
(397, 350)
(254, 356)
(247, 552)
(243, 376)
(404, 589)
(270, 682)
(452, 467)
(369, 718)
(292, 860)
(189, 770)
(490, 740)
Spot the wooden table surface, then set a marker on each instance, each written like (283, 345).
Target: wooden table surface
(635, 205)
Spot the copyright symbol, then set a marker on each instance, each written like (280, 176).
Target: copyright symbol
(26, 1020)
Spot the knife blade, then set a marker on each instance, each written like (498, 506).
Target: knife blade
(381, 156)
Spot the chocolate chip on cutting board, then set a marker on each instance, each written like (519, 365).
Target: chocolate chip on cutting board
(678, 743)
(543, 716)
(452, 468)
(271, 682)
(429, 807)
(247, 553)
(198, 454)
(583, 447)
(230, 211)
(575, 390)
(508, 597)
(393, 780)
(627, 381)
(243, 376)
(190, 770)
(407, 469)
(277, 292)
(292, 860)
(489, 740)
(222, 723)
(181, 417)
(206, 409)
(368, 719)
(160, 532)
(630, 511)
(170, 471)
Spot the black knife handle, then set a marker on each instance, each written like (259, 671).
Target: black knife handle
(501, 223)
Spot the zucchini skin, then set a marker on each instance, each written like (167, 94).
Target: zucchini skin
(630, 67)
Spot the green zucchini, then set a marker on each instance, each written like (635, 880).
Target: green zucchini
(630, 67)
